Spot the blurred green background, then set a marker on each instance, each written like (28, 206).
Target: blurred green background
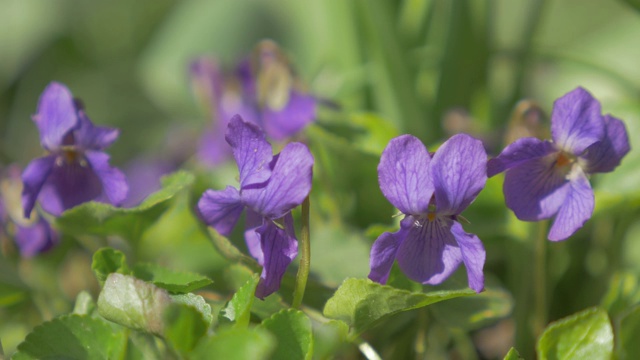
(422, 67)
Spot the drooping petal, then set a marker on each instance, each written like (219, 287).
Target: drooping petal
(429, 252)
(221, 209)
(289, 185)
(459, 170)
(69, 184)
(253, 221)
(279, 247)
(384, 250)
(251, 150)
(57, 115)
(114, 183)
(576, 122)
(536, 189)
(605, 155)
(91, 137)
(575, 210)
(404, 175)
(288, 121)
(473, 256)
(518, 152)
(35, 239)
(34, 176)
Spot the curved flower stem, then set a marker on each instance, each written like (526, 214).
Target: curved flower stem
(540, 278)
(305, 257)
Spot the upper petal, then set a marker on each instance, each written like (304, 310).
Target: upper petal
(91, 137)
(536, 189)
(286, 122)
(33, 177)
(289, 185)
(576, 121)
(459, 170)
(57, 115)
(575, 210)
(473, 256)
(519, 151)
(384, 250)
(221, 209)
(429, 253)
(605, 155)
(114, 183)
(279, 247)
(404, 175)
(251, 150)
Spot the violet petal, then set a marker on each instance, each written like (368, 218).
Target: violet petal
(473, 256)
(91, 137)
(251, 150)
(253, 221)
(404, 175)
(34, 176)
(35, 239)
(605, 155)
(575, 210)
(57, 115)
(536, 189)
(114, 183)
(69, 185)
(429, 252)
(289, 185)
(384, 250)
(279, 248)
(519, 151)
(459, 170)
(286, 122)
(221, 209)
(576, 122)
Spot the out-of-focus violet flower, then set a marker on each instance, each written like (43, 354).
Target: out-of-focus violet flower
(547, 179)
(143, 176)
(76, 169)
(270, 187)
(431, 192)
(32, 236)
(263, 90)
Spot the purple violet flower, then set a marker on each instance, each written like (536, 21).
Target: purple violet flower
(431, 192)
(76, 170)
(550, 178)
(32, 236)
(270, 187)
(263, 90)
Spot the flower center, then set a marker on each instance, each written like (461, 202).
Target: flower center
(70, 155)
(564, 160)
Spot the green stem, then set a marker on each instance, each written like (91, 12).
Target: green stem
(305, 257)
(540, 278)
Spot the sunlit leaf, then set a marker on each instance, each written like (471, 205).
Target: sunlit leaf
(587, 334)
(107, 261)
(292, 329)
(513, 354)
(84, 304)
(629, 333)
(195, 301)
(172, 280)
(184, 326)
(474, 312)
(236, 344)
(361, 303)
(238, 309)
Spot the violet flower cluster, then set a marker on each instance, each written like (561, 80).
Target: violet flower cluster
(431, 192)
(263, 90)
(549, 178)
(270, 187)
(76, 169)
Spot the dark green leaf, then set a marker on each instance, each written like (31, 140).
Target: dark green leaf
(184, 326)
(474, 312)
(103, 219)
(238, 309)
(133, 303)
(623, 292)
(73, 337)
(107, 261)
(629, 334)
(585, 335)
(236, 344)
(174, 281)
(329, 337)
(195, 301)
(292, 329)
(360, 303)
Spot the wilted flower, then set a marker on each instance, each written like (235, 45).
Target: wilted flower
(270, 187)
(431, 192)
(550, 178)
(76, 170)
(32, 236)
(263, 90)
